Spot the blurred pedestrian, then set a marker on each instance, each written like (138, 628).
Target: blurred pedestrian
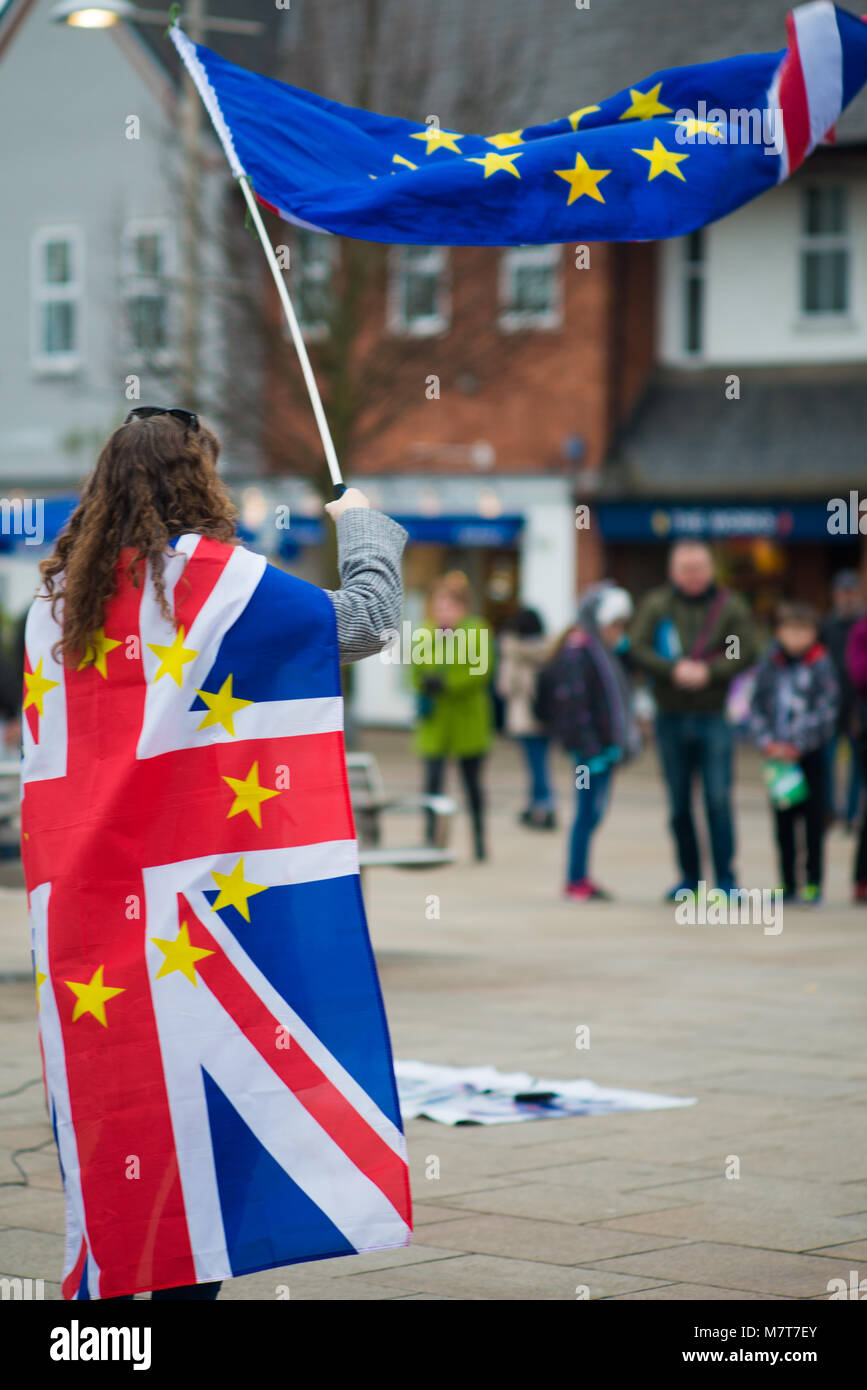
(794, 709)
(856, 669)
(692, 636)
(847, 607)
(523, 651)
(452, 673)
(585, 699)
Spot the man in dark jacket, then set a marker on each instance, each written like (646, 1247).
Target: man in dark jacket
(693, 637)
(846, 609)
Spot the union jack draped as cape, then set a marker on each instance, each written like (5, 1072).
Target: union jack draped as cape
(215, 1051)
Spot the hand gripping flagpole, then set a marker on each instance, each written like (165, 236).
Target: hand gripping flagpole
(191, 61)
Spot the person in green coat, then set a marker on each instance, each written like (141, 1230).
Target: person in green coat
(452, 674)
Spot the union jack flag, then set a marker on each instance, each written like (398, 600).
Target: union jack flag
(215, 1051)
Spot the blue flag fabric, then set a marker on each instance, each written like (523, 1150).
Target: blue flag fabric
(678, 150)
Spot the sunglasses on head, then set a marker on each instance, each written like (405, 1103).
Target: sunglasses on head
(145, 412)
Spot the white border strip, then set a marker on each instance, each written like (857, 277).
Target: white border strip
(190, 58)
(187, 49)
(58, 1090)
(821, 54)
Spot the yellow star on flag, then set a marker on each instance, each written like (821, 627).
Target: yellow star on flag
(180, 954)
(493, 163)
(97, 650)
(583, 180)
(222, 706)
(662, 161)
(37, 687)
(506, 139)
(691, 127)
(91, 997)
(438, 139)
(249, 795)
(234, 890)
(645, 105)
(173, 659)
(399, 159)
(41, 977)
(575, 117)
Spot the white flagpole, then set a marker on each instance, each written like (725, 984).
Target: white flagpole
(297, 338)
(188, 54)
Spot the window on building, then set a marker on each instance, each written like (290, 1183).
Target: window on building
(530, 287)
(825, 251)
(147, 292)
(57, 273)
(313, 260)
(693, 292)
(419, 299)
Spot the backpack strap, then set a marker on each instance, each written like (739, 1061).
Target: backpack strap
(698, 649)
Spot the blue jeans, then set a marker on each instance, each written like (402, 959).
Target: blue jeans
(591, 803)
(535, 748)
(853, 789)
(703, 743)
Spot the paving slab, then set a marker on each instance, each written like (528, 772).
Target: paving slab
(552, 1202)
(726, 1266)
(549, 1241)
(699, 1293)
(754, 1225)
(475, 1277)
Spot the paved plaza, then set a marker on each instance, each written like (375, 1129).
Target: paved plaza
(766, 1031)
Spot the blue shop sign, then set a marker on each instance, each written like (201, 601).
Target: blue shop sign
(468, 530)
(714, 521)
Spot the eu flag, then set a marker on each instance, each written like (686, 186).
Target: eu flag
(675, 151)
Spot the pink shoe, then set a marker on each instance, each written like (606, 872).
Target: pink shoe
(585, 891)
(580, 892)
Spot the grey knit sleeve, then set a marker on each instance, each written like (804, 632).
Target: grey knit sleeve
(370, 599)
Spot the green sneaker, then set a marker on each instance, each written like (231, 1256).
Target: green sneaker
(811, 895)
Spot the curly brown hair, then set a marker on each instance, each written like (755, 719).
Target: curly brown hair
(154, 479)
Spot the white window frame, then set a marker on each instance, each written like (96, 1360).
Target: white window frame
(519, 257)
(313, 272)
(426, 325)
(42, 293)
(825, 241)
(688, 271)
(134, 282)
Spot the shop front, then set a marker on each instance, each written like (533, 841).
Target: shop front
(767, 550)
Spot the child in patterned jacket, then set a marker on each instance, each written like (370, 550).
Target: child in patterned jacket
(793, 713)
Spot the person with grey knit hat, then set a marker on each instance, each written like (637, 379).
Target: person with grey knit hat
(585, 701)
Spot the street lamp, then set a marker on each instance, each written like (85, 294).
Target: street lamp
(108, 14)
(196, 22)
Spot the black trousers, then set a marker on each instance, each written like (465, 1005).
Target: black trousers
(812, 813)
(861, 853)
(184, 1293)
(471, 775)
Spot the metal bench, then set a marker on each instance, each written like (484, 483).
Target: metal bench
(370, 802)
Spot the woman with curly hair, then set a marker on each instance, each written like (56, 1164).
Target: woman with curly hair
(183, 734)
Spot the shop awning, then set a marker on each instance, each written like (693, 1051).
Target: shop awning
(468, 530)
(714, 521)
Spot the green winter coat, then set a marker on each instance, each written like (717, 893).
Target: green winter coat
(457, 720)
